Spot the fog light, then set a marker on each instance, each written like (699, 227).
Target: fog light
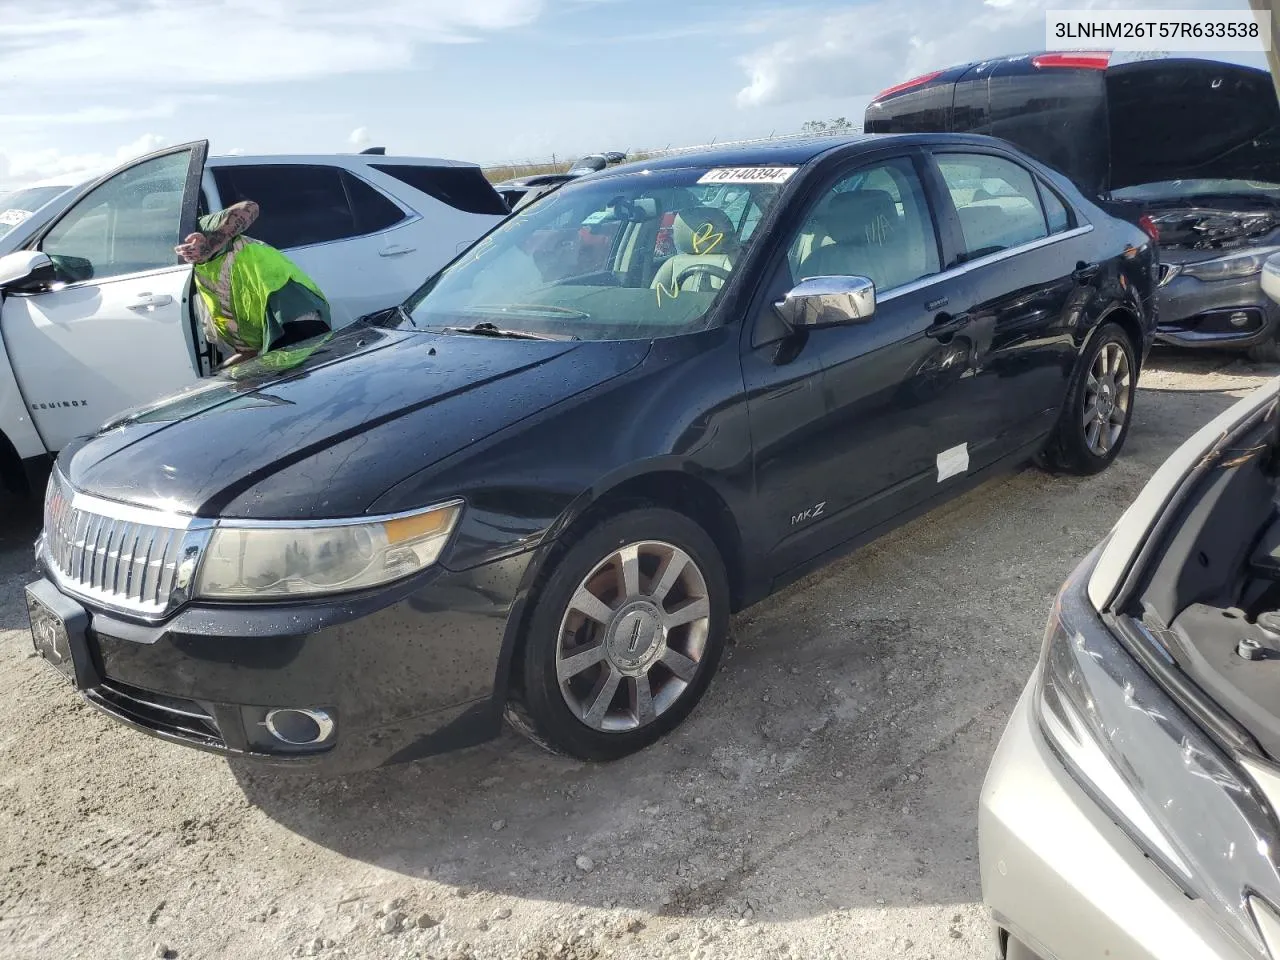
(299, 728)
(1239, 319)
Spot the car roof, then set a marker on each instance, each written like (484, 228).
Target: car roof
(331, 159)
(793, 151)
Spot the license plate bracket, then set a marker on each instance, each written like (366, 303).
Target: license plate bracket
(60, 633)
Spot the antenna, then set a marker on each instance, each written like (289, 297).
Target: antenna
(375, 151)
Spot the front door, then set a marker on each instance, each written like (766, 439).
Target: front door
(115, 330)
(883, 426)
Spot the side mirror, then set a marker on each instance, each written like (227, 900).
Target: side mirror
(1271, 277)
(828, 302)
(25, 270)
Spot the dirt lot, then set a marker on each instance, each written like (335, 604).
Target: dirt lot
(820, 803)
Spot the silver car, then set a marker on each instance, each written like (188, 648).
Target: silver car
(1130, 810)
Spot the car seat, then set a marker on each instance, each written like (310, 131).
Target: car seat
(702, 235)
(865, 227)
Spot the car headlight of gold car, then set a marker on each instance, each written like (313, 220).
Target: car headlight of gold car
(1182, 798)
(268, 560)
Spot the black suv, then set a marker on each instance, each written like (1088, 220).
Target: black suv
(1187, 149)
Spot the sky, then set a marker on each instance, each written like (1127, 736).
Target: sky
(87, 84)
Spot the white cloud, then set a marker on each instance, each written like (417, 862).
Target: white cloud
(17, 168)
(227, 42)
(359, 138)
(855, 52)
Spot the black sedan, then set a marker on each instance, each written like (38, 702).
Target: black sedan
(540, 487)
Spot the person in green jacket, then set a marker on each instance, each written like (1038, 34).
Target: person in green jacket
(252, 299)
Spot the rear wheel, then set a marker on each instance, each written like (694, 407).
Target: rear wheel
(624, 636)
(1095, 419)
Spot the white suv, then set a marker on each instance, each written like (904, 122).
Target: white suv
(115, 328)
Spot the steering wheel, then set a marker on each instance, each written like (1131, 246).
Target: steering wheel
(695, 268)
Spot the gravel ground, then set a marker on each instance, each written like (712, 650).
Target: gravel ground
(820, 803)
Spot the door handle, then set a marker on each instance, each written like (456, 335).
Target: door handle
(945, 324)
(149, 301)
(395, 250)
(1085, 272)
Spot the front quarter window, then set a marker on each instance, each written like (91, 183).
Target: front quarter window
(634, 256)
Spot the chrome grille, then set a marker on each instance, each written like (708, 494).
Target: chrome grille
(128, 558)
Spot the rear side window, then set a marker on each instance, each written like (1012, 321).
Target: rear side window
(926, 109)
(1055, 211)
(996, 199)
(463, 188)
(302, 204)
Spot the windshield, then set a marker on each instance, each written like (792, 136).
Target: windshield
(631, 257)
(20, 204)
(1189, 189)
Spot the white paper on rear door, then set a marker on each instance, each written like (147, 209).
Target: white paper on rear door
(953, 462)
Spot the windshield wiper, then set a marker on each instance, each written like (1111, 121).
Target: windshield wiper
(388, 317)
(487, 329)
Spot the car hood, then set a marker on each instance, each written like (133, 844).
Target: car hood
(367, 410)
(1191, 119)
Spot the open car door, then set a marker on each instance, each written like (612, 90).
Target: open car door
(114, 329)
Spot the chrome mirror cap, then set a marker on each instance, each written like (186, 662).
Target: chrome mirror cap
(828, 302)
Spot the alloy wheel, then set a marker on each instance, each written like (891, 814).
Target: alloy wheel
(633, 636)
(1106, 406)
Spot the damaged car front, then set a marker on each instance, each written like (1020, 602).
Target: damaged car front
(1214, 237)
(1195, 158)
(1131, 807)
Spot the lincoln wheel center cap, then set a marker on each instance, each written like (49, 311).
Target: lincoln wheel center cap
(1106, 402)
(636, 637)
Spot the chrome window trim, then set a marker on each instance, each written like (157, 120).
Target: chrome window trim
(963, 268)
(409, 219)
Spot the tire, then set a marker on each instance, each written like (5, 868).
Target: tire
(1268, 352)
(633, 635)
(1081, 449)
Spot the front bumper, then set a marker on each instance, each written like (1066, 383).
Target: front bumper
(405, 672)
(1217, 313)
(1062, 881)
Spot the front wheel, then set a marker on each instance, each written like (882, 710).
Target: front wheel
(1099, 406)
(624, 636)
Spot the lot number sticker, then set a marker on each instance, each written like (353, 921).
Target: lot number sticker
(748, 175)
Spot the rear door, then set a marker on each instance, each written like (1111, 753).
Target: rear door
(1029, 261)
(116, 330)
(351, 238)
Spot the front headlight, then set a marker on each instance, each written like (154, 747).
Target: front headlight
(1184, 801)
(269, 560)
(1230, 267)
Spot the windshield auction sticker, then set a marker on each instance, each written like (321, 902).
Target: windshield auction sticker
(14, 217)
(748, 175)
